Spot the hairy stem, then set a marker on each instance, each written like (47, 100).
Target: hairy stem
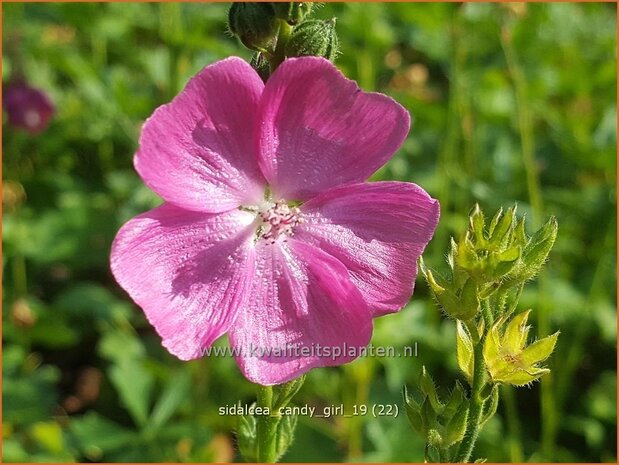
(476, 403)
(267, 427)
(487, 313)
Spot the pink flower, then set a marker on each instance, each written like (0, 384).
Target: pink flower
(269, 232)
(27, 108)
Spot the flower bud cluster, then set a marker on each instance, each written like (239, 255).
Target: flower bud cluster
(486, 265)
(280, 30)
(442, 424)
(488, 268)
(489, 259)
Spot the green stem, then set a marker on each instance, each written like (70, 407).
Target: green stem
(279, 55)
(266, 427)
(487, 313)
(476, 403)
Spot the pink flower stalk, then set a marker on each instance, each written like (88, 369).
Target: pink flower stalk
(269, 232)
(27, 107)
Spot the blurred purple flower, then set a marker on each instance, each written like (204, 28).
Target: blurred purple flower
(27, 107)
(269, 232)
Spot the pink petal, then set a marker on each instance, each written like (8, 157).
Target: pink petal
(197, 152)
(319, 130)
(189, 272)
(378, 231)
(301, 297)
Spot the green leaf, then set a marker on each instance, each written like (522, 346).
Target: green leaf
(495, 220)
(491, 405)
(176, 390)
(247, 439)
(477, 224)
(464, 350)
(540, 350)
(285, 434)
(13, 451)
(120, 344)
(29, 394)
(413, 412)
(134, 384)
(96, 435)
(522, 377)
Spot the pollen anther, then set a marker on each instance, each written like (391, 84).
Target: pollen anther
(279, 220)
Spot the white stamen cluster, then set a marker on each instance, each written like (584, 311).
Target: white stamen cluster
(279, 220)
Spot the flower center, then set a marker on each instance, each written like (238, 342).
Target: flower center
(278, 219)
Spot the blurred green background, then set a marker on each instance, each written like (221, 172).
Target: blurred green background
(510, 102)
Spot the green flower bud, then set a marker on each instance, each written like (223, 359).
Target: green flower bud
(314, 38)
(292, 12)
(477, 224)
(503, 225)
(456, 426)
(520, 235)
(413, 412)
(468, 259)
(254, 23)
(495, 220)
(427, 387)
(441, 424)
(489, 255)
(459, 304)
(469, 300)
(536, 252)
(508, 360)
(489, 260)
(428, 415)
(456, 399)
